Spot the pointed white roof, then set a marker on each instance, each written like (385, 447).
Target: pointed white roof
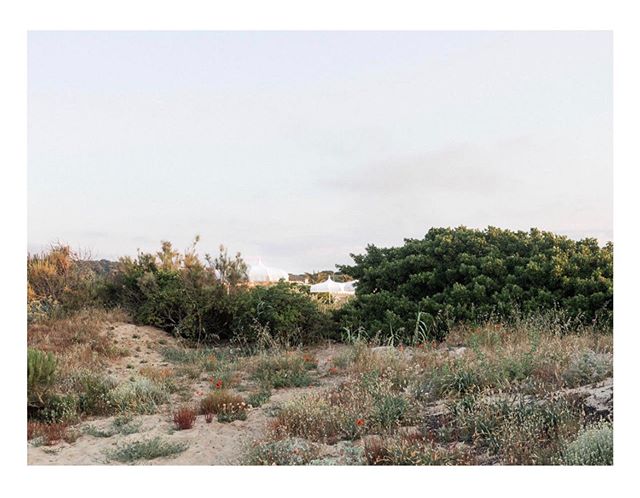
(350, 287)
(263, 273)
(332, 287)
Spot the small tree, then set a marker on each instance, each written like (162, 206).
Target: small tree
(231, 271)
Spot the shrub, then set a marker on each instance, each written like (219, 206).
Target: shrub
(216, 400)
(139, 395)
(233, 411)
(184, 418)
(41, 368)
(226, 405)
(347, 412)
(290, 451)
(282, 370)
(146, 450)
(282, 314)
(95, 393)
(587, 368)
(258, 398)
(175, 292)
(593, 446)
(58, 280)
(50, 434)
(402, 450)
(520, 430)
(461, 274)
(59, 408)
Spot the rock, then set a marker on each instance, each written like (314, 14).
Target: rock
(597, 398)
(457, 352)
(599, 402)
(384, 350)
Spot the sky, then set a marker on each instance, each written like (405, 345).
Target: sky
(303, 147)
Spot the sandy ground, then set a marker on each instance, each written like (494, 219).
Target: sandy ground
(209, 444)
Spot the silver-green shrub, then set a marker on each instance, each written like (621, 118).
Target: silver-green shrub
(593, 446)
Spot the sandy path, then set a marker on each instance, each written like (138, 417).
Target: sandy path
(209, 444)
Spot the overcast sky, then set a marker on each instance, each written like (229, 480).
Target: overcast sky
(302, 147)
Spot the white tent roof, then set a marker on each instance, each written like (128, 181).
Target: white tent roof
(350, 287)
(333, 287)
(263, 273)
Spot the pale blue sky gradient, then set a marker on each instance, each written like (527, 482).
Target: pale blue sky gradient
(301, 147)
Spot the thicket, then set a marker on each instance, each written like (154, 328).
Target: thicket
(57, 283)
(207, 301)
(467, 275)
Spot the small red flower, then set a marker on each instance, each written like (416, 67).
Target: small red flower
(219, 384)
(333, 370)
(360, 422)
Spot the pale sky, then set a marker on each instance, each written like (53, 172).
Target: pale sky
(301, 147)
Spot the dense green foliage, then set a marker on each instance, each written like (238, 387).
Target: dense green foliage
(471, 275)
(41, 369)
(284, 311)
(182, 297)
(208, 302)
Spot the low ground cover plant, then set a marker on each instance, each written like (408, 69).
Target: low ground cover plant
(146, 450)
(289, 451)
(592, 446)
(123, 424)
(412, 450)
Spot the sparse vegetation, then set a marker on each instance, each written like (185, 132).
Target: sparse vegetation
(146, 450)
(289, 369)
(291, 451)
(458, 387)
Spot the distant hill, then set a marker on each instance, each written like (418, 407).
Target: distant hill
(100, 267)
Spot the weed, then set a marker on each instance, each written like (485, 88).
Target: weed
(146, 450)
(411, 451)
(138, 396)
(283, 370)
(184, 418)
(290, 451)
(258, 398)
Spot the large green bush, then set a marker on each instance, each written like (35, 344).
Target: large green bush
(208, 302)
(283, 312)
(177, 293)
(471, 275)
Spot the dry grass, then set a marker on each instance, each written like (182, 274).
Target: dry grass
(368, 404)
(287, 369)
(226, 405)
(80, 340)
(50, 434)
